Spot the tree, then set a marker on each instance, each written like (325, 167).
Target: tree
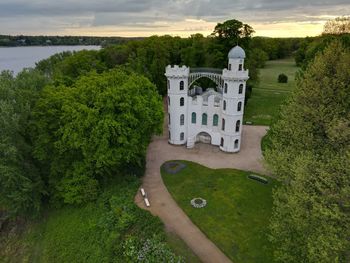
(94, 129)
(337, 26)
(21, 185)
(233, 32)
(310, 153)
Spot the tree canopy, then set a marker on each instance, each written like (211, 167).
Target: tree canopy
(232, 31)
(97, 127)
(337, 26)
(21, 186)
(310, 153)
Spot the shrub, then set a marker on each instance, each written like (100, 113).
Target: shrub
(282, 78)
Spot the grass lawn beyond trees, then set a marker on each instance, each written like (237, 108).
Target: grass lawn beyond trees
(267, 97)
(238, 211)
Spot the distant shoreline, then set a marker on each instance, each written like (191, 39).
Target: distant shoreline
(31, 41)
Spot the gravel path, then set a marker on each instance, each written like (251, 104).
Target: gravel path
(164, 206)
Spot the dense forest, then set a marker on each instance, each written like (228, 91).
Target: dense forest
(81, 121)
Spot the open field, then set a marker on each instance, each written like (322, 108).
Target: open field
(237, 213)
(266, 99)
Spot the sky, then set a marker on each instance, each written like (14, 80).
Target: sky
(130, 18)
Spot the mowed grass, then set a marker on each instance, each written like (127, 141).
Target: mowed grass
(237, 214)
(266, 99)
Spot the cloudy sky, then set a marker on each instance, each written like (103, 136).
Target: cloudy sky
(175, 17)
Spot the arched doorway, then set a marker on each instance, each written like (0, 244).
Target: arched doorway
(203, 137)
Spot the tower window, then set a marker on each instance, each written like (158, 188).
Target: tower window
(224, 105)
(168, 84)
(204, 119)
(168, 101)
(182, 101)
(194, 117)
(240, 67)
(182, 85)
(182, 136)
(169, 118)
(229, 66)
(240, 89)
(239, 106)
(236, 144)
(223, 124)
(225, 89)
(238, 125)
(215, 120)
(182, 119)
(222, 142)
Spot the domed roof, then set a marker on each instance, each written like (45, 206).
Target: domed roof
(236, 52)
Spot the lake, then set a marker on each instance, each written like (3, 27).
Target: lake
(18, 58)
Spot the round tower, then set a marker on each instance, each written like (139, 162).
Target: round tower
(177, 85)
(234, 77)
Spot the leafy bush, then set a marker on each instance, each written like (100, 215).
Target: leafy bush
(282, 78)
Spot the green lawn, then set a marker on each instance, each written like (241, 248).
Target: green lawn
(266, 99)
(238, 210)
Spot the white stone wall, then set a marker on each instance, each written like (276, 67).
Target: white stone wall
(175, 75)
(233, 77)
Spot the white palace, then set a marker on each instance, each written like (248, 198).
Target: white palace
(212, 116)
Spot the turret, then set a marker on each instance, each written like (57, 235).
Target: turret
(235, 78)
(177, 87)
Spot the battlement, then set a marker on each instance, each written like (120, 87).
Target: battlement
(176, 71)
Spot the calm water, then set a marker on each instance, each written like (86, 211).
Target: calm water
(18, 58)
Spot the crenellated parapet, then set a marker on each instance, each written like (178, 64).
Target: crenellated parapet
(176, 71)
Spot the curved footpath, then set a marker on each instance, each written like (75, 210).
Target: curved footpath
(164, 206)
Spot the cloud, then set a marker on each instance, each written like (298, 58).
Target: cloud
(59, 17)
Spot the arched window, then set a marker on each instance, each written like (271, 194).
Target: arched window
(168, 101)
(240, 90)
(238, 125)
(182, 101)
(225, 89)
(224, 105)
(239, 106)
(236, 144)
(215, 120)
(182, 136)
(169, 118)
(194, 117)
(240, 67)
(223, 124)
(222, 142)
(182, 119)
(182, 85)
(204, 119)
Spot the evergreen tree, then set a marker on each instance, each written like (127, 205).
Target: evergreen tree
(310, 153)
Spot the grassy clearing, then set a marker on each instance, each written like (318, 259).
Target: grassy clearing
(95, 232)
(238, 210)
(266, 99)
